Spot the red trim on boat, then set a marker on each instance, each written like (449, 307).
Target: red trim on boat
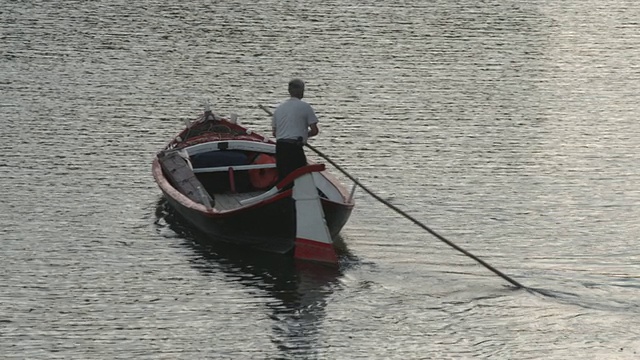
(316, 251)
(299, 172)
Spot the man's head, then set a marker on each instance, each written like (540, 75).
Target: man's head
(296, 88)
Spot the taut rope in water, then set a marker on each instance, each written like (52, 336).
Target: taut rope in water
(411, 218)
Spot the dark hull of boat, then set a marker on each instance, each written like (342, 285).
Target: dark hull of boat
(220, 151)
(265, 227)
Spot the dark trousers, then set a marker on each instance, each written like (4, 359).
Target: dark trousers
(289, 156)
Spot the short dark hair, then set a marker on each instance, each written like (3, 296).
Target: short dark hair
(296, 84)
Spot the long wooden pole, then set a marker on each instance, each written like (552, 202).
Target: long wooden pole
(411, 218)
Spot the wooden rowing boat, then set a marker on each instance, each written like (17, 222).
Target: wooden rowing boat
(222, 178)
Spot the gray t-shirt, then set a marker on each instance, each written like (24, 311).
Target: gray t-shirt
(292, 119)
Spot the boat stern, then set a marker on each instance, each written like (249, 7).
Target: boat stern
(313, 240)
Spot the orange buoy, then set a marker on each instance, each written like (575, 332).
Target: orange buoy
(263, 178)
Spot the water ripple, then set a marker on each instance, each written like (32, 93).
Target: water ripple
(510, 128)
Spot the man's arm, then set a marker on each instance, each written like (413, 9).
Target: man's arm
(313, 130)
(312, 120)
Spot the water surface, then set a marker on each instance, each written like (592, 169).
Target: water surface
(509, 128)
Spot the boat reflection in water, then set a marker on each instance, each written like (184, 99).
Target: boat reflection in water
(301, 288)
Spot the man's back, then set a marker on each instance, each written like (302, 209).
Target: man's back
(292, 118)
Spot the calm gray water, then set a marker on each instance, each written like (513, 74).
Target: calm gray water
(509, 127)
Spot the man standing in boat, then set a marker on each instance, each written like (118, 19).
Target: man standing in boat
(293, 122)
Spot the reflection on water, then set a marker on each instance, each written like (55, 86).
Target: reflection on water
(298, 289)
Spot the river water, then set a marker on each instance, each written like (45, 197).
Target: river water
(508, 127)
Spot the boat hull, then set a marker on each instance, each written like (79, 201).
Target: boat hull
(267, 227)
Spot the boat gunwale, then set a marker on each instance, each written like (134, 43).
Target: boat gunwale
(171, 191)
(247, 138)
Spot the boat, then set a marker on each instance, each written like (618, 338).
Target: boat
(221, 177)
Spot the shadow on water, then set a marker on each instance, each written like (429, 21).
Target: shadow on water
(297, 291)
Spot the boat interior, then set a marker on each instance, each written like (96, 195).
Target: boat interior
(226, 175)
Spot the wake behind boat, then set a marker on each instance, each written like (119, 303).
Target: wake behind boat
(222, 178)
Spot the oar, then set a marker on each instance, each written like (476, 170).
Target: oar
(411, 218)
